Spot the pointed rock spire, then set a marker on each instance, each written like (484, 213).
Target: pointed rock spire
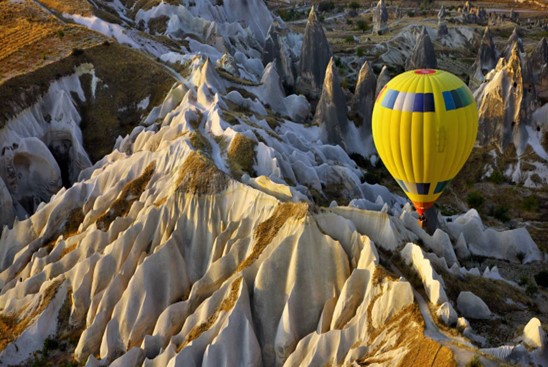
(505, 103)
(364, 96)
(331, 110)
(362, 106)
(441, 13)
(539, 67)
(486, 60)
(382, 80)
(539, 56)
(278, 52)
(380, 18)
(513, 39)
(423, 55)
(315, 56)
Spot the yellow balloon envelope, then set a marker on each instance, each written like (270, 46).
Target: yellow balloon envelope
(425, 124)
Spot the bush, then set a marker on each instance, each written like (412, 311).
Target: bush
(542, 278)
(501, 213)
(326, 6)
(349, 21)
(530, 203)
(474, 199)
(354, 5)
(531, 290)
(497, 177)
(360, 52)
(361, 25)
(60, 33)
(349, 39)
(474, 362)
(289, 15)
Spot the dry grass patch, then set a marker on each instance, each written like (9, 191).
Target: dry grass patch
(11, 326)
(267, 230)
(81, 7)
(226, 305)
(130, 193)
(199, 142)
(241, 155)
(198, 175)
(234, 79)
(31, 38)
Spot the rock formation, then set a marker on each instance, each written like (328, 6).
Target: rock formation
(315, 55)
(473, 15)
(382, 80)
(380, 18)
(486, 60)
(423, 55)
(331, 109)
(514, 16)
(513, 40)
(505, 103)
(442, 26)
(276, 50)
(363, 101)
(538, 61)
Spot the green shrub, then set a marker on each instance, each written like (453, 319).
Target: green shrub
(361, 25)
(530, 203)
(474, 362)
(354, 5)
(497, 177)
(542, 278)
(474, 199)
(531, 290)
(326, 6)
(349, 39)
(360, 52)
(501, 213)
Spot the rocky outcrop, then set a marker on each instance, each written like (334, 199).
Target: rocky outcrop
(538, 61)
(486, 60)
(423, 55)
(513, 40)
(442, 26)
(539, 56)
(276, 50)
(380, 18)
(533, 334)
(473, 15)
(363, 101)
(315, 55)
(364, 95)
(331, 110)
(505, 103)
(473, 307)
(382, 80)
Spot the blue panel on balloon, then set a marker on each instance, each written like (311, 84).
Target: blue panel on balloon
(422, 188)
(441, 186)
(456, 98)
(428, 105)
(390, 98)
(448, 99)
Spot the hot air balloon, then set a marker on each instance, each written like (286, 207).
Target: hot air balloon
(425, 124)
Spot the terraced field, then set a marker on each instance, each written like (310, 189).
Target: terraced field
(31, 37)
